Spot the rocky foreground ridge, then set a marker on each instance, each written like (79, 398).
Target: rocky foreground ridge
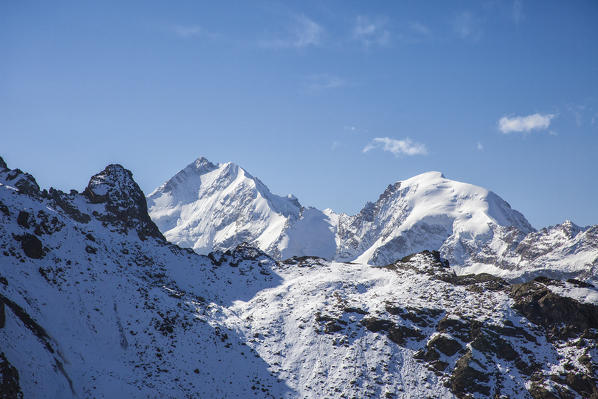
(94, 302)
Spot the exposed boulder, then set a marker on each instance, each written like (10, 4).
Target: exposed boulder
(31, 245)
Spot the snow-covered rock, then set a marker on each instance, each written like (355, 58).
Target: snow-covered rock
(217, 207)
(208, 206)
(91, 305)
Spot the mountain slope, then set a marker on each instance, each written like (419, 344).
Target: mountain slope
(217, 207)
(427, 211)
(204, 209)
(95, 303)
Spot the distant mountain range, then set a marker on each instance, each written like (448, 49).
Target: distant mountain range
(96, 303)
(210, 207)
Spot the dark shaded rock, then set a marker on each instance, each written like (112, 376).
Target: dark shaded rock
(4, 209)
(399, 334)
(28, 321)
(9, 379)
(562, 317)
(331, 324)
(90, 250)
(62, 201)
(396, 333)
(584, 385)
(24, 182)
(3, 164)
(123, 200)
(375, 325)
(458, 327)
(490, 343)
(466, 379)
(445, 344)
(354, 310)
(482, 281)
(31, 245)
(539, 392)
(23, 219)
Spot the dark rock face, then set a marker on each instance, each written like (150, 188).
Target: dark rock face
(123, 199)
(466, 378)
(31, 245)
(446, 345)
(23, 219)
(63, 201)
(9, 379)
(24, 182)
(561, 316)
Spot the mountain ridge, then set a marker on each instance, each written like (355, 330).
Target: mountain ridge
(91, 306)
(474, 228)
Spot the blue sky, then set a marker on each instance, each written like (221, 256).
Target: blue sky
(330, 101)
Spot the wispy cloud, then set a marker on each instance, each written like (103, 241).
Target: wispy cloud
(420, 29)
(189, 31)
(414, 32)
(303, 32)
(524, 124)
(480, 146)
(371, 31)
(467, 26)
(396, 147)
(335, 145)
(319, 82)
(578, 112)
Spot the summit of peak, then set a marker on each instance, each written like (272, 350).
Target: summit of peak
(202, 165)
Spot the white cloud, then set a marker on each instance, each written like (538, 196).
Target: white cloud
(467, 26)
(371, 32)
(188, 31)
(335, 145)
(480, 146)
(303, 32)
(524, 124)
(396, 147)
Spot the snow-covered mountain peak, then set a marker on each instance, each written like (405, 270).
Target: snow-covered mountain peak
(207, 206)
(427, 211)
(431, 193)
(203, 164)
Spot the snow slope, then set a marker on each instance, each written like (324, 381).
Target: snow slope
(95, 303)
(217, 207)
(204, 208)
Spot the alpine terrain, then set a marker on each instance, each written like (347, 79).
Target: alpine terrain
(97, 300)
(207, 206)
